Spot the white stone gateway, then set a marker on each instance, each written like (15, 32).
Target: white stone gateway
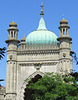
(41, 51)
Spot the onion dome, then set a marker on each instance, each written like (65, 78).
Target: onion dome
(23, 39)
(41, 35)
(13, 26)
(63, 21)
(13, 23)
(13, 32)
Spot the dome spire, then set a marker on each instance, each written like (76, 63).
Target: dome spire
(63, 21)
(13, 23)
(42, 22)
(41, 10)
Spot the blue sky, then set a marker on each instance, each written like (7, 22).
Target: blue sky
(26, 14)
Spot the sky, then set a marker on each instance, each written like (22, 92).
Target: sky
(26, 14)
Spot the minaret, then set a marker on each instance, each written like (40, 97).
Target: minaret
(11, 79)
(65, 47)
(64, 28)
(13, 32)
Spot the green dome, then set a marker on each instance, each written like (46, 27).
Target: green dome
(41, 35)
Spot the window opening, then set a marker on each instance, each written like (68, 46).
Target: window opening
(11, 34)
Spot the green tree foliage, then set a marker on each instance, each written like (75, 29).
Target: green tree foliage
(75, 74)
(2, 51)
(54, 87)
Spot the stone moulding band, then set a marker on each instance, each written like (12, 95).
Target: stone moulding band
(32, 64)
(38, 52)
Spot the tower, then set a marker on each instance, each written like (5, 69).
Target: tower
(11, 79)
(65, 59)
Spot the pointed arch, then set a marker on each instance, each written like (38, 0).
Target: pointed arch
(35, 75)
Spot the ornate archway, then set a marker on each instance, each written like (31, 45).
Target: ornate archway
(28, 92)
(35, 76)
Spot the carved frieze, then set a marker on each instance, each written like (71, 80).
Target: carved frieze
(31, 52)
(42, 63)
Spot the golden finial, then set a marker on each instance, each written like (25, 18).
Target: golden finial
(63, 20)
(41, 10)
(13, 23)
(63, 16)
(24, 35)
(13, 19)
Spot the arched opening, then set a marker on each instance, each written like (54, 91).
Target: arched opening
(14, 34)
(11, 34)
(63, 31)
(28, 92)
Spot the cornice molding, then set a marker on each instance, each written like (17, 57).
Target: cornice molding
(42, 63)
